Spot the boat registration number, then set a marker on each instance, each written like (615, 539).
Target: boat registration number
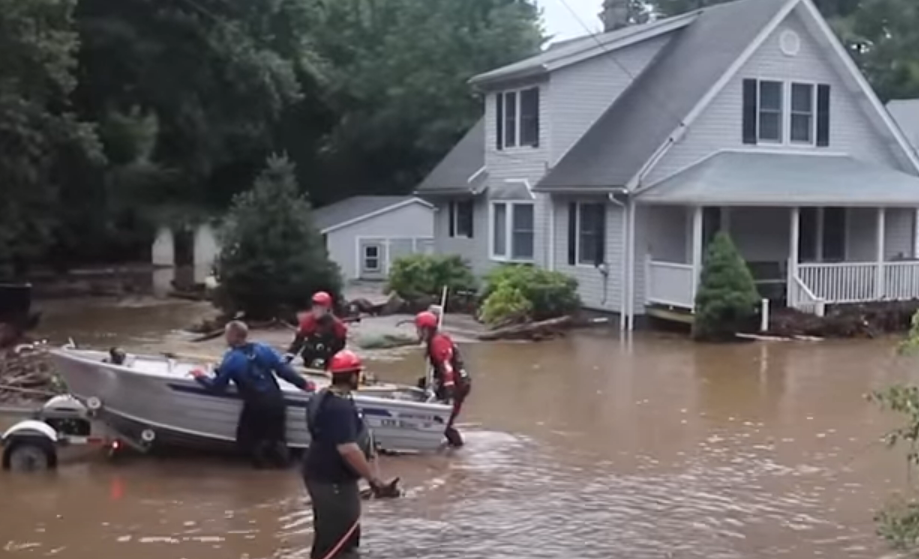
(398, 423)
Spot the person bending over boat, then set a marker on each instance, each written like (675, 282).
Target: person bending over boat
(321, 334)
(451, 381)
(338, 456)
(261, 431)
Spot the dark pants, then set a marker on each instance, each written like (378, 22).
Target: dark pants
(262, 429)
(336, 519)
(461, 392)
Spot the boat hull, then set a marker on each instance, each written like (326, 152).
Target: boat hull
(157, 393)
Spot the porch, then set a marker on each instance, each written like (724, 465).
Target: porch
(805, 258)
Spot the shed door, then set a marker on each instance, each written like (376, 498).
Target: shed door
(372, 256)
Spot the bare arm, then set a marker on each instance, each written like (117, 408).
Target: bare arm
(355, 458)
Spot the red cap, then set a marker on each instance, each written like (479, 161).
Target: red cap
(345, 361)
(426, 319)
(322, 298)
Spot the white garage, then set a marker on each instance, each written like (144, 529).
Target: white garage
(365, 234)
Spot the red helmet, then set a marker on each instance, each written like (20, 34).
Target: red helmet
(345, 361)
(322, 298)
(426, 319)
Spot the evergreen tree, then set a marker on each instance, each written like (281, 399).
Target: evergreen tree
(272, 259)
(727, 296)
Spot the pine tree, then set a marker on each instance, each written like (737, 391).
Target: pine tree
(272, 259)
(727, 296)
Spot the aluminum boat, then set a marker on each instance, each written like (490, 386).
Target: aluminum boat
(157, 393)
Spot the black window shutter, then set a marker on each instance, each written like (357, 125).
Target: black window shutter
(600, 257)
(499, 120)
(452, 210)
(470, 206)
(749, 111)
(536, 116)
(572, 233)
(823, 115)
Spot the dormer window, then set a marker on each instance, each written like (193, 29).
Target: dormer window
(790, 113)
(517, 118)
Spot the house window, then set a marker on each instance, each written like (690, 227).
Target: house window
(588, 233)
(770, 111)
(512, 231)
(802, 113)
(517, 118)
(461, 213)
(372, 258)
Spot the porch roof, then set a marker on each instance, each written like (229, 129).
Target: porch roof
(784, 179)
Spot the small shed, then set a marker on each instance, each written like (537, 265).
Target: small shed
(365, 234)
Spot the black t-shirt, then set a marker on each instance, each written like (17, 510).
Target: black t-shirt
(336, 423)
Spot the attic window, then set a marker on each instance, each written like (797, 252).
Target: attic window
(517, 118)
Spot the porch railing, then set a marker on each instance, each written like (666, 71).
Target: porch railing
(802, 298)
(669, 283)
(857, 282)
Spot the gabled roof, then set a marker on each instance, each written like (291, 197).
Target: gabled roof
(653, 107)
(577, 50)
(358, 208)
(462, 170)
(905, 113)
(783, 179)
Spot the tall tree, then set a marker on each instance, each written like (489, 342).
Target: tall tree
(41, 142)
(397, 81)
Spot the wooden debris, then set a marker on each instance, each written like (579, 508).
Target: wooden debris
(27, 374)
(529, 331)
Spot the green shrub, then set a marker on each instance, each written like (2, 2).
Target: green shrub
(272, 258)
(421, 276)
(727, 297)
(551, 294)
(505, 305)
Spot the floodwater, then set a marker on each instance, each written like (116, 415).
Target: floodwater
(589, 447)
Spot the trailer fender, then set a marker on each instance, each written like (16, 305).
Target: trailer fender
(30, 428)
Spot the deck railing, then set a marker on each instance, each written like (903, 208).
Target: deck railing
(670, 284)
(802, 298)
(859, 282)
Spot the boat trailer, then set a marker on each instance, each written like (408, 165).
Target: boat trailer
(32, 443)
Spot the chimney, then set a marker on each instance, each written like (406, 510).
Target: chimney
(615, 14)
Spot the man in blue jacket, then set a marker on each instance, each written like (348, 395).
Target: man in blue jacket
(261, 431)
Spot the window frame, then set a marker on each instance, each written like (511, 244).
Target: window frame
(813, 114)
(508, 231)
(517, 117)
(454, 219)
(592, 263)
(782, 113)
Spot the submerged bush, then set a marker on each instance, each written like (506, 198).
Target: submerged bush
(422, 276)
(549, 294)
(727, 295)
(273, 259)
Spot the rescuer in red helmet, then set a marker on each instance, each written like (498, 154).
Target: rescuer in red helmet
(451, 381)
(321, 334)
(339, 455)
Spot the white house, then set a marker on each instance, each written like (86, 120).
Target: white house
(365, 234)
(615, 158)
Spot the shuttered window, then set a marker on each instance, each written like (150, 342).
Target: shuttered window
(461, 218)
(586, 234)
(785, 113)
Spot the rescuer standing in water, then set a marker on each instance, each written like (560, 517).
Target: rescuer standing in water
(451, 381)
(320, 335)
(338, 456)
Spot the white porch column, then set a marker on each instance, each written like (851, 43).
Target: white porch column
(879, 272)
(696, 249)
(793, 256)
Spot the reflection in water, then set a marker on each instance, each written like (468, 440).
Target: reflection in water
(588, 446)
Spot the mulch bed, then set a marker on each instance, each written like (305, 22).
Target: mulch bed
(867, 320)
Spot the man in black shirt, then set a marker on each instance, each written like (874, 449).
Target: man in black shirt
(337, 458)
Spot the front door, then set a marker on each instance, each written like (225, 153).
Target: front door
(371, 260)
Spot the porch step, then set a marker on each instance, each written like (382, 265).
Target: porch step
(670, 314)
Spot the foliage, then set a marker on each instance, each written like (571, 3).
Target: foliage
(550, 294)
(421, 276)
(727, 295)
(505, 305)
(272, 258)
(40, 139)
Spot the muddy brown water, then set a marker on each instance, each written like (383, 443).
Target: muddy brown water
(589, 447)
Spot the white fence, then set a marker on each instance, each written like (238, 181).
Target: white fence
(670, 284)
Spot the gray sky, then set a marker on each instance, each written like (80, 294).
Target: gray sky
(563, 25)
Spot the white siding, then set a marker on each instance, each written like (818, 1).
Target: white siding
(474, 250)
(591, 282)
(414, 220)
(581, 93)
(720, 125)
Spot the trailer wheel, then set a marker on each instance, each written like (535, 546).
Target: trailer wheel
(29, 454)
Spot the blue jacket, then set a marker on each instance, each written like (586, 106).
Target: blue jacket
(252, 368)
